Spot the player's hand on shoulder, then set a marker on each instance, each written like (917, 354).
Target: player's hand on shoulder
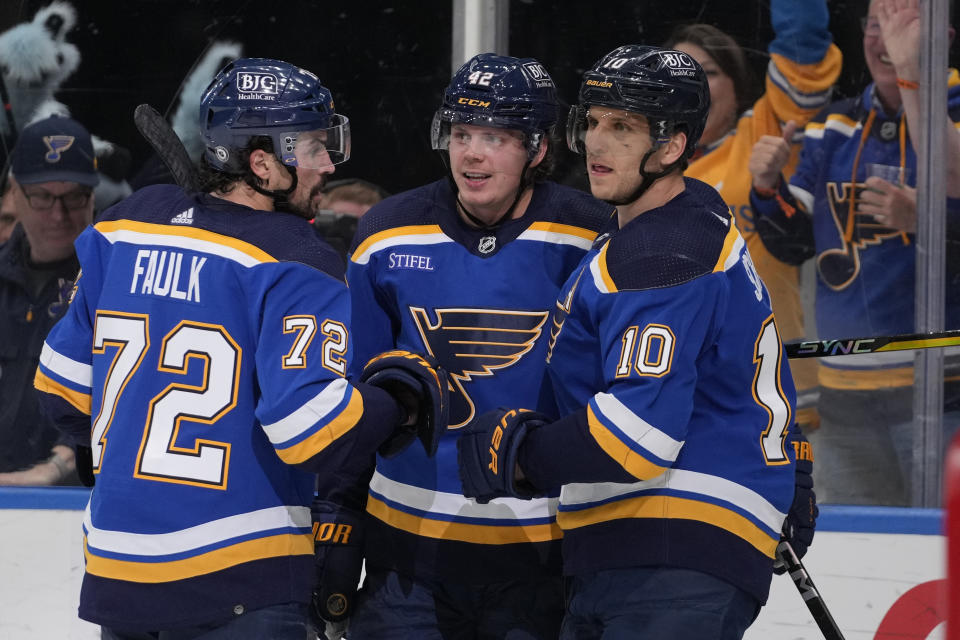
(421, 387)
(488, 451)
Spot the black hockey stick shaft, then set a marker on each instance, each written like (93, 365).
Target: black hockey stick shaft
(164, 140)
(854, 346)
(811, 596)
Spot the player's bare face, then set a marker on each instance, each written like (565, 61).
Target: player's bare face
(310, 182)
(314, 165)
(723, 96)
(486, 163)
(615, 141)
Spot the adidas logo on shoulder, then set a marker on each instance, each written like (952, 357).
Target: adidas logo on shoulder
(184, 217)
(719, 217)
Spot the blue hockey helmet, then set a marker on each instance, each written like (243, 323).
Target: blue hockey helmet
(668, 87)
(264, 97)
(502, 92)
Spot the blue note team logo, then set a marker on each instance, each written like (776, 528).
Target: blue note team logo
(56, 145)
(257, 86)
(474, 345)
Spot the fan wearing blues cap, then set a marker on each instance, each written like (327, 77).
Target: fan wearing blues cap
(54, 171)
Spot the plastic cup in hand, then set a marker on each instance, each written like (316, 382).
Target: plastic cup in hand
(893, 174)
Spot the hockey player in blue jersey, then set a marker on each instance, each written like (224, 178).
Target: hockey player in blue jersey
(200, 370)
(467, 269)
(674, 458)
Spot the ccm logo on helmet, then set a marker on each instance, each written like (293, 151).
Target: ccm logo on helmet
(473, 102)
(261, 86)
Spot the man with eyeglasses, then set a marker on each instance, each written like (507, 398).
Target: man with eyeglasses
(54, 172)
(851, 206)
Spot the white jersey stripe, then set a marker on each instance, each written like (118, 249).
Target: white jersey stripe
(316, 409)
(181, 242)
(451, 504)
(637, 429)
(67, 368)
(716, 487)
(554, 237)
(392, 241)
(202, 535)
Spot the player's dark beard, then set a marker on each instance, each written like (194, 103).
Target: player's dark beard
(305, 208)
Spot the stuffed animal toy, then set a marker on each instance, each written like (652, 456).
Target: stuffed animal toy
(35, 60)
(184, 120)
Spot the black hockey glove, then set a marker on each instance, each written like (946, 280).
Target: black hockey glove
(487, 453)
(84, 461)
(801, 520)
(420, 385)
(338, 556)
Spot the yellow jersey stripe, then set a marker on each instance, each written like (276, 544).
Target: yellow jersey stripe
(660, 507)
(287, 544)
(729, 245)
(80, 401)
(601, 275)
(815, 78)
(309, 447)
(171, 235)
(423, 230)
(633, 462)
(459, 531)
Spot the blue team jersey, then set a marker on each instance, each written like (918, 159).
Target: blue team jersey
(203, 355)
(478, 301)
(666, 335)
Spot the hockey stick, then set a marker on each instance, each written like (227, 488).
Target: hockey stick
(812, 598)
(167, 144)
(853, 346)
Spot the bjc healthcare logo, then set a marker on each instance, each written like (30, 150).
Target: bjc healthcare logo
(259, 86)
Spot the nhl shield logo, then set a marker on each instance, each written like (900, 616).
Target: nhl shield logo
(888, 131)
(487, 244)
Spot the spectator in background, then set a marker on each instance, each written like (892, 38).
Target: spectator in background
(52, 192)
(803, 67)
(860, 229)
(8, 210)
(339, 207)
(351, 196)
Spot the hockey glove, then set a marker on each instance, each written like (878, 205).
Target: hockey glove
(84, 458)
(801, 520)
(487, 453)
(338, 558)
(419, 384)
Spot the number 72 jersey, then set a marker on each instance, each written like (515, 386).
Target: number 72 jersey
(666, 335)
(202, 362)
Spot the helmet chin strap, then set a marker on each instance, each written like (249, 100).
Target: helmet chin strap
(647, 178)
(507, 215)
(279, 196)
